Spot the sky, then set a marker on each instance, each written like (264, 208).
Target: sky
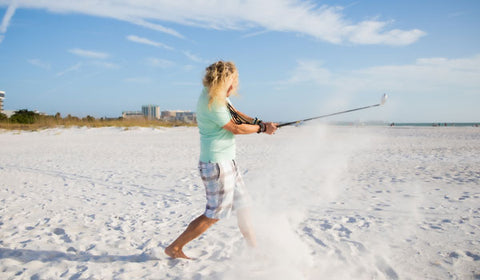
(296, 59)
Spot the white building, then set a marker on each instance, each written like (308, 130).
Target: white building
(132, 115)
(179, 115)
(151, 111)
(9, 113)
(2, 96)
(186, 116)
(169, 115)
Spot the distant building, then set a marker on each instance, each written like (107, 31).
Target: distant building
(186, 116)
(2, 96)
(40, 113)
(151, 112)
(178, 115)
(169, 115)
(132, 115)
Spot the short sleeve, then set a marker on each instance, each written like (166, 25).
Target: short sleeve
(220, 115)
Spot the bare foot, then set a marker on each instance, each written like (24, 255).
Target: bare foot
(175, 253)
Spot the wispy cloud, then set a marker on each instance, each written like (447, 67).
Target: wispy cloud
(7, 18)
(72, 68)
(257, 33)
(104, 64)
(91, 64)
(425, 75)
(154, 26)
(89, 54)
(327, 23)
(194, 57)
(158, 62)
(415, 88)
(146, 41)
(39, 63)
(375, 32)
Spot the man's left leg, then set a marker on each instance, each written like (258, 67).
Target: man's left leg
(194, 229)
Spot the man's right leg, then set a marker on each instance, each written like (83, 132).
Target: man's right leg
(194, 229)
(245, 225)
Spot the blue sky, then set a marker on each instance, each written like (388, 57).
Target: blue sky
(296, 59)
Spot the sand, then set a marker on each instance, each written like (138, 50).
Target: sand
(328, 203)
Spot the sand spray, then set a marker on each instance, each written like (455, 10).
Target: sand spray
(312, 163)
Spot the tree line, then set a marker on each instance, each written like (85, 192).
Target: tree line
(26, 116)
(26, 119)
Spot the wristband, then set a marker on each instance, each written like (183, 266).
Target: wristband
(262, 128)
(256, 121)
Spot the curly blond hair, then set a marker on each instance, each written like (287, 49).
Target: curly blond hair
(218, 78)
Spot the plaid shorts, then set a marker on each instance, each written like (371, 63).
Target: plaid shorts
(224, 188)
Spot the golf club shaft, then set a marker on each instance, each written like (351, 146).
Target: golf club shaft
(324, 116)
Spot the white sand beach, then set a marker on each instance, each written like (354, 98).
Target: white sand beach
(328, 203)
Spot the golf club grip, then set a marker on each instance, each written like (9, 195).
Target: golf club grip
(285, 124)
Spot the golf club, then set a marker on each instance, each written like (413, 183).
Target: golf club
(382, 101)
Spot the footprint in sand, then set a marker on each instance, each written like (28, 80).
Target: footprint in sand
(343, 231)
(309, 231)
(61, 232)
(465, 195)
(475, 257)
(386, 269)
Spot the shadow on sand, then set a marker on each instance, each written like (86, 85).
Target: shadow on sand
(26, 256)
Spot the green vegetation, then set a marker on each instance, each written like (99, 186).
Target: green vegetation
(29, 120)
(3, 117)
(24, 117)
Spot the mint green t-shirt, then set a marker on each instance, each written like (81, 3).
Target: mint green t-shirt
(216, 144)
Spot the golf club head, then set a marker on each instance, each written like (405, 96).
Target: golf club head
(384, 99)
